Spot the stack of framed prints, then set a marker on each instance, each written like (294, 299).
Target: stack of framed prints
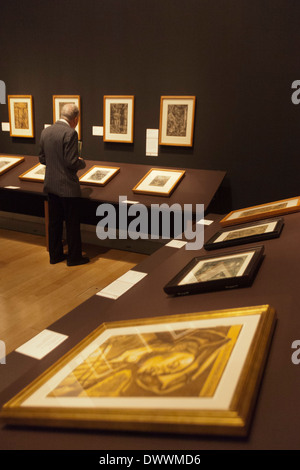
(216, 272)
(176, 122)
(194, 373)
(262, 211)
(36, 173)
(20, 111)
(246, 233)
(7, 162)
(159, 182)
(118, 118)
(99, 175)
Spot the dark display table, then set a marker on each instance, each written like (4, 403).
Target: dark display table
(197, 186)
(275, 417)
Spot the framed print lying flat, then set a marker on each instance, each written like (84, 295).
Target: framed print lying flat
(118, 118)
(36, 173)
(262, 211)
(159, 182)
(7, 162)
(247, 233)
(59, 101)
(176, 122)
(20, 111)
(217, 272)
(193, 373)
(99, 175)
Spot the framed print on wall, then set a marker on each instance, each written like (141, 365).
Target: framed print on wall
(246, 233)
(36, 173)
(20, 111)
(99, 175)
(176, 122)
(159, 182)
(217, 272)
(59, 101)
(262, 211)
(196, 373)
(118, 118)
(7, 162)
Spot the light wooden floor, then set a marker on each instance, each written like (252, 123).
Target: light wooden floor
(34, 294)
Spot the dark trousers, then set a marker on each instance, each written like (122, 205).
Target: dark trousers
(64, 209)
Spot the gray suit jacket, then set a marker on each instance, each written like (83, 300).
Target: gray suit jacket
(59, 152)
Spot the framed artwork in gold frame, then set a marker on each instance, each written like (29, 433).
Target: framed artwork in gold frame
(9, 161)
(176, 122)
(118, 118)
(159, 182)
(262, 211)
(99, 175)
(59, 101)
(36, 173)
(20, 111)
(143, 375)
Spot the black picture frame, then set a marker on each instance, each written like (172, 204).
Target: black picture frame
(228, 270)
(238, 235)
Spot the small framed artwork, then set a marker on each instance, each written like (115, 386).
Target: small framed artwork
(247, 233)
(36, 173)
(7, 162)
(196, 373)
(20, 110)
(176, 123)
(210, 273)
(59, 101)
(262, 211)
(99, 175)
(118, 118)
(159, 182)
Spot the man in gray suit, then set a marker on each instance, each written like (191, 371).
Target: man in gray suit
(59, 152)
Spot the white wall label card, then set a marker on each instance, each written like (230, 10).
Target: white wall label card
(152, 142)
(5, 126)
(97, 130)
(42, 344)
(122, 285)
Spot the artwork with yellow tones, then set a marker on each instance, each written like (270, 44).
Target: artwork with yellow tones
(20, 111)
(192, 373)
(156, 364)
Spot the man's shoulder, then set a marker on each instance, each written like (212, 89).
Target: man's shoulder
(59, 127)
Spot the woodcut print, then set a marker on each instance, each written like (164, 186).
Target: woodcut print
(21, 115)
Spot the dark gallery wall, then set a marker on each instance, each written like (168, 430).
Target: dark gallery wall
(238, 57)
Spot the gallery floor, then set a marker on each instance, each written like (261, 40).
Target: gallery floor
(34, 294)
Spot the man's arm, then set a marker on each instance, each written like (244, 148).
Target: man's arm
(72, 159)
(42, 157)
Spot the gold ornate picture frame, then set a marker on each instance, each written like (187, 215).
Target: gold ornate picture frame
(35, 174)
(59, 101)
(193, 373)
(118, 118)
(159, 182)
(99, 175)
(262, 211)
(20, 111)
(176, 122)
(7, 162)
